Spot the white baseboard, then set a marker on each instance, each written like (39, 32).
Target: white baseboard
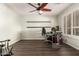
(72, 45)
(11, 43)
(73, 41)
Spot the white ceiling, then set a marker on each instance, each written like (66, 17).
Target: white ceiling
(24, 8)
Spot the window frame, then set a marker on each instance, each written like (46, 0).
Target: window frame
(65, 29)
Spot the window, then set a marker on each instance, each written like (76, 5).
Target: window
(67, 24)
(76, 31)
(71, 24)
(64, 24)
(76, 23)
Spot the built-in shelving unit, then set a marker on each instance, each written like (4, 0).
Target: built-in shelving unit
(38, 24)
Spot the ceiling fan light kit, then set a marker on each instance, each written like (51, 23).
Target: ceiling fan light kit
(41, 12)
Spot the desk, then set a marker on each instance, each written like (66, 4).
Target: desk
(48, 36)
(54, 38)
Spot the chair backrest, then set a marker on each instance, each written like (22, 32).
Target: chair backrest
(5, 45)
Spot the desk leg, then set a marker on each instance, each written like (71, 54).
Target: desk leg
(1, 51)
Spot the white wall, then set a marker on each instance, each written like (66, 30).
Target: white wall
(54, 21)
(12, 25)
(35, 33)
(69, 39)
(9, 25)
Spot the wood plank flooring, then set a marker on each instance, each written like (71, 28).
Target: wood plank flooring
(41, 48)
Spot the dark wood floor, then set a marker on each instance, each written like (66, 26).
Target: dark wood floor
(41, 48)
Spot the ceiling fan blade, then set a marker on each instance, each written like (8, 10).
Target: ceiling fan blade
(46, 9)
(32, 5)
(42, 6)
(32, 11)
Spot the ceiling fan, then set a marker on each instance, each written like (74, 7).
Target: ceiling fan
(40, 8)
